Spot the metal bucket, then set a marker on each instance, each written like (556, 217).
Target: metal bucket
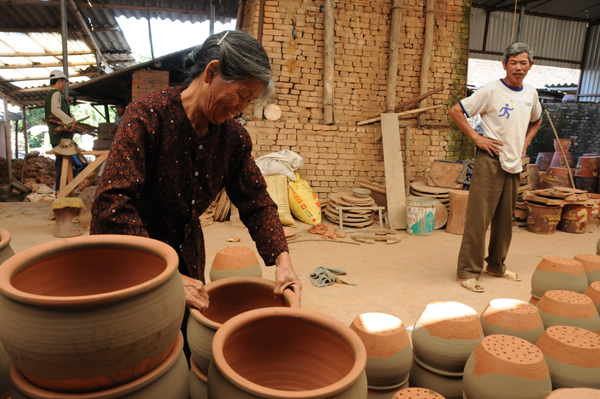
(420, 215)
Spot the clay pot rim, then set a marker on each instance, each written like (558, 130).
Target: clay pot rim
(21, 260)
(116, 392)
(390, 387)
(288, 294)
(342, 331)
(437, 371)
(197, 370)
(4, 238)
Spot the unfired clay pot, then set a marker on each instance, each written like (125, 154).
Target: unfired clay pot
(574, 393)
(169, 380)
(198, 381)
(444, 336)
(449, 387)
(512, 317)
(593, 291)
(283, 353)
(389, 353)
(384, 393)
(568, 308)
(591, 265)
(417, 393)
(6, 250)
(556, 273)
(572, 355)
(503, 367)
(230, 297)
(234, 262)
(4, 374)
(91, 312)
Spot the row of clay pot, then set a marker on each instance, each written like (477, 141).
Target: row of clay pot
(558, 273)
(546, 219)
(90, 314)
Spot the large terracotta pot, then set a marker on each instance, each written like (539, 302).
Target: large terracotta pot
(512, 317)
(448, 387)
(543, 160)
(230, 297)
(6, 250)
(444, 336)
(565, 143)
(169, 380)
(504, 367)
(589, 184)
(235, 262)
(389, 353)
(574, 393)
(92, 312)
(572, 355)
(593, 292)
(542, 219)
(417, 393)
(587, 166)
(560, 161)
(198, 381)
(283, 353)
(4, 374)
(557, 273)
(591, 265)
(574, 218)
(534, 172)
(568, 308)
(555, 177)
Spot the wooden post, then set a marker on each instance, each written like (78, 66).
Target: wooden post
(7, 138)
(25, 134)
(407, 134)
(239, 21)
(394, 177)
(392, 75)
(329, 41)
(427, 48)
(258, 108)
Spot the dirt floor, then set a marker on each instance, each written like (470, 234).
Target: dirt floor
(398, 279)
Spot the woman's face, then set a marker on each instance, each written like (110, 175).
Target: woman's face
(226, 100)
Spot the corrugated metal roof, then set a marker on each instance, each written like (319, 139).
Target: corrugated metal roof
(582, 10)
(34, 27)
(590, 77)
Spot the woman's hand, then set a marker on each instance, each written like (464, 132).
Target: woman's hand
(285, 277)
(195, 293)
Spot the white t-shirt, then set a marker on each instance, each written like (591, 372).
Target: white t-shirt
(505, 115)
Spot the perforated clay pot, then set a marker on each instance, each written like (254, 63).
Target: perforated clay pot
(568, 308)
(512, 317)
(556, 273)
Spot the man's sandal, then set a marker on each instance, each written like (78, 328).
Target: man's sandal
(507, 275)
(471, 284)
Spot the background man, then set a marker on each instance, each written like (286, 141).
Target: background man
(511, 115)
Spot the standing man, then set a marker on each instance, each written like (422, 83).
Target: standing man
(511, 115)
(57, 106)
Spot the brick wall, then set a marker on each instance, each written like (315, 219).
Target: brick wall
(335, 156)
(147, 81)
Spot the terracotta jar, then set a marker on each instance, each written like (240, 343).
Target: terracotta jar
(417, 393)
(555, 177)
(234, 262)
(568, 308)
(557, 273)
(111, 307)
(542, 219)
(591, 265)
(230, 297)
(448, 387)
(384, 393)
(572, 355)
(587, 166)
(444, 336)
(4, 374)
(574, 218)
(560, 161)
(198, 381)
(6, 250)
(283, 353)
(543, 160)
(389, 353)
(593, 292)
(574, 393)
(504, 367)
(512, 317)
(565, 143)
(169, 380)
(534, 172)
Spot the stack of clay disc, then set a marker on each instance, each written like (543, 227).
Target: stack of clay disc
(350, 217)
(421, 189)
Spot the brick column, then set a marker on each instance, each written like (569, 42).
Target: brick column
(147, 81)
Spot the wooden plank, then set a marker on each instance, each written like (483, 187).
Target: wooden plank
(394, 175)
(379, 188)
(65, 191)
(527, 196)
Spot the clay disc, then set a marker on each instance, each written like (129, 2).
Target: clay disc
(332, 214)
(272, 112)
(441, 216)
(422, 186)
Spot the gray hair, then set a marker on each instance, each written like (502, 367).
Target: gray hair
(517, 48)
(241, 57)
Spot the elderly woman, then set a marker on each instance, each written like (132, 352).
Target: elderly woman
(178, 147)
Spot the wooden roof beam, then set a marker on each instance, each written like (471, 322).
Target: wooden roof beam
(75, 75)
(42, 29)
(52, 54)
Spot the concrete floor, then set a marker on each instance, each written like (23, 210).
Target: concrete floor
(398, 279)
